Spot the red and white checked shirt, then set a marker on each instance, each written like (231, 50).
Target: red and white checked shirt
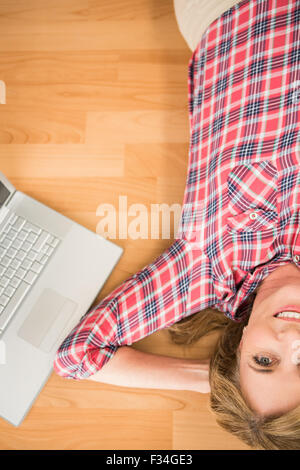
(241, 210)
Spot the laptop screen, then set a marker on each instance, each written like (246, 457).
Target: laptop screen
(4, 193)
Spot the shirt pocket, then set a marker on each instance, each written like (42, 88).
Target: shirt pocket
(252, 199)
(253, 185)
(253, 220)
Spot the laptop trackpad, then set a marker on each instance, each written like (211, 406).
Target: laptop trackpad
(47, 319)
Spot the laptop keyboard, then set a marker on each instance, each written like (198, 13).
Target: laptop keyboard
(25, 250)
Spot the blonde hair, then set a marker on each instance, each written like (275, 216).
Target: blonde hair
(281, 432)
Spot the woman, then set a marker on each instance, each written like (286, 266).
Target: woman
(237, 250)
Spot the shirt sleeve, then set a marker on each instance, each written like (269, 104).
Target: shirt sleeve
(153, 298)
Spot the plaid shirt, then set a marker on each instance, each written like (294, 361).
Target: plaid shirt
(241, 209)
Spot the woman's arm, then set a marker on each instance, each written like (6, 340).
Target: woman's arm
(154, 298)
(132, 368)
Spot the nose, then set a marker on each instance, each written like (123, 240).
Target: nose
(289, 337)
(288, 332)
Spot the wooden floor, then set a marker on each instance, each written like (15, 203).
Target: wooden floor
(97, 108)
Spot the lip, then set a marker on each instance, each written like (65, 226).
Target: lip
(288, 308)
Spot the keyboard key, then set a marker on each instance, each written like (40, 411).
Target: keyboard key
(44, 248)
(6, 242)
(12, 234)
(2, 251)
(15, 264)
(39, 256)
(36, 267)
(13, 304)
(9, 290)
(15, 281)
(49, 250)
(26, 246)
(22, 235)
(4, 300)
(32, 237)
(21, 273)
(2, 269)
(54, 243)
(31, 255)
(30, 277)
(10, 272)
(40, 241)
(18, 224)
(5, 260)
(26, 264)
(21, 255)
(16, 244)
(11, 252)
(44, 259)
(32, 228)
(12, 218)
(4, 281)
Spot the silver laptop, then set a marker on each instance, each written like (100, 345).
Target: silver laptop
(51, 270)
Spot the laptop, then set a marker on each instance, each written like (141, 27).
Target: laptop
(51, 271)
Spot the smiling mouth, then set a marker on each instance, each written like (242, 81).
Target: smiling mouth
(288, 315)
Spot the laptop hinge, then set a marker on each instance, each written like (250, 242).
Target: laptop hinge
(9, 198)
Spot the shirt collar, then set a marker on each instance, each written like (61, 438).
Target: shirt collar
(236, 304)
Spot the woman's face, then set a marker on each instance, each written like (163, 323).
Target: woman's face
(270, 346)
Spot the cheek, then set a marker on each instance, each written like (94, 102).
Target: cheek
(256, 336)
(296, 352)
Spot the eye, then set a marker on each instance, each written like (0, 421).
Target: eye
(263, 361)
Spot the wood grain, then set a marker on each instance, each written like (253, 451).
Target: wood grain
(97, 107)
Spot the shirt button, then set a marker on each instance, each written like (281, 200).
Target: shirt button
(296, 92)
(253, 215)
(296, 258)
(296, 96)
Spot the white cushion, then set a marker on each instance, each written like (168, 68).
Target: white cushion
(194, 16)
